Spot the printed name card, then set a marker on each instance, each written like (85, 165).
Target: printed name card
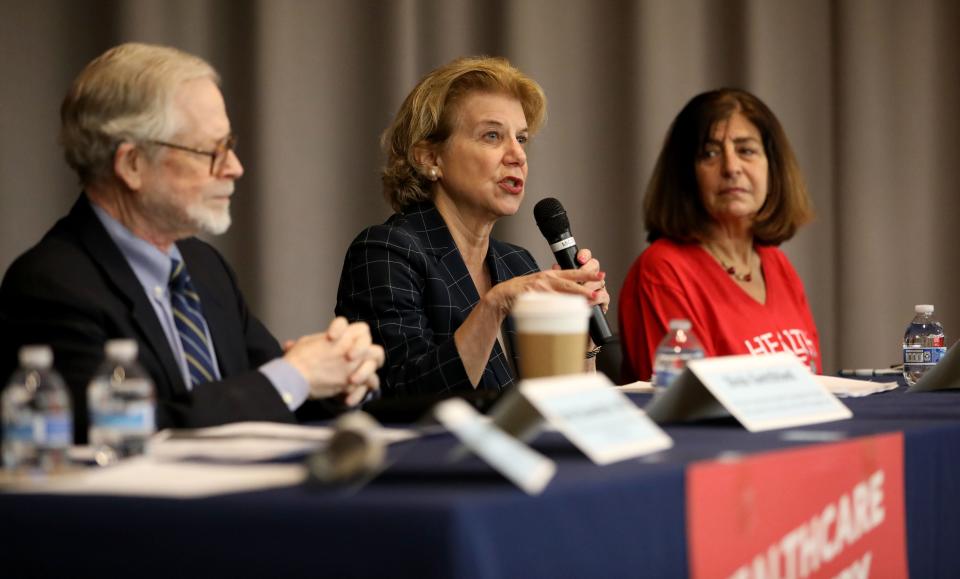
(944, 376)
(597, 418)
(526, 468)
(762, 392)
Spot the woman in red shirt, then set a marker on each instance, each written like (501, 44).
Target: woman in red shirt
(726, 191)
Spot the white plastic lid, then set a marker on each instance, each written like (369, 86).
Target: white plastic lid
(680, 324)
(36, 356)
(121, 350)
(923, 309)
(544, 312)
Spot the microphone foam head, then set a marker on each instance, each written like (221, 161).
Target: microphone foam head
(551, 218)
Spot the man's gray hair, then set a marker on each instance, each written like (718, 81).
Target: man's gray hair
(122, 95)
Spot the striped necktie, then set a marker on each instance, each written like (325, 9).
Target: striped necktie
(188, 317)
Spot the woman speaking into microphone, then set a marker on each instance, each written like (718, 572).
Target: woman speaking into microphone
(432, 284)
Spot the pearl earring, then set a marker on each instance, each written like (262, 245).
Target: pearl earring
(433, 173)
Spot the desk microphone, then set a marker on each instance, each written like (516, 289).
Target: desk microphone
(555, 226)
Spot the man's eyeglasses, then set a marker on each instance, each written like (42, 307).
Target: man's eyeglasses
(218, 156)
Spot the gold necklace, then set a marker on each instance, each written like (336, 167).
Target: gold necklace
(744, 277)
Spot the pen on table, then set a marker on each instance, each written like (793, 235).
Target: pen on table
(862, 372)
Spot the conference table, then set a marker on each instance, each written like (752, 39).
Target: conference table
(427, 517)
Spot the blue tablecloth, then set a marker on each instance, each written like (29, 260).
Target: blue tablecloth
(426, 518)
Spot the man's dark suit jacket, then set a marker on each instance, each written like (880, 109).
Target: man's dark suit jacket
(407, 280)
(74, 291)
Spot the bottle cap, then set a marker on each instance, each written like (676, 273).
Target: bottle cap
(923, 309)
(36, 356)
(680, 324)
(124, 350)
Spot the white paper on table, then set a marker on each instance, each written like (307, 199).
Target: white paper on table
(638, 387)
(147, 477)
(252, 441)
(847, 388)
(239, 449)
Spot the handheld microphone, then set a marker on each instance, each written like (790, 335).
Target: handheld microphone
(555, 226)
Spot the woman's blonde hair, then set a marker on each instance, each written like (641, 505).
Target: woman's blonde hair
(428, 116)
(124, 94)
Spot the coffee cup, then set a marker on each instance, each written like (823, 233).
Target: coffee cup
(551, 333)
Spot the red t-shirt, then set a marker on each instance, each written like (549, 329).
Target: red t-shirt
(672, 280)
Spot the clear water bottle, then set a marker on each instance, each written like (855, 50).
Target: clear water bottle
(677, 348)
(122, 405)
(923, 344)
(37, 415)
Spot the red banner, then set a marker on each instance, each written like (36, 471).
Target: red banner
(831, 510)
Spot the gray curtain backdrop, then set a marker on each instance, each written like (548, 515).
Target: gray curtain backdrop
(866, 89)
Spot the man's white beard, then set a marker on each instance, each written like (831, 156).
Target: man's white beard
(183, 222)
(209, 220)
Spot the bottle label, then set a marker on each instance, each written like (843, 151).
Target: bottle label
(663, 378)
(668, 366)
(19, 430)
(922, 356)
(53, 430)
(134, 419)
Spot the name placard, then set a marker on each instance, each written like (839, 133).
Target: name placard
(597, 418)
(944, 376)
(762, 392)
(526, 468)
